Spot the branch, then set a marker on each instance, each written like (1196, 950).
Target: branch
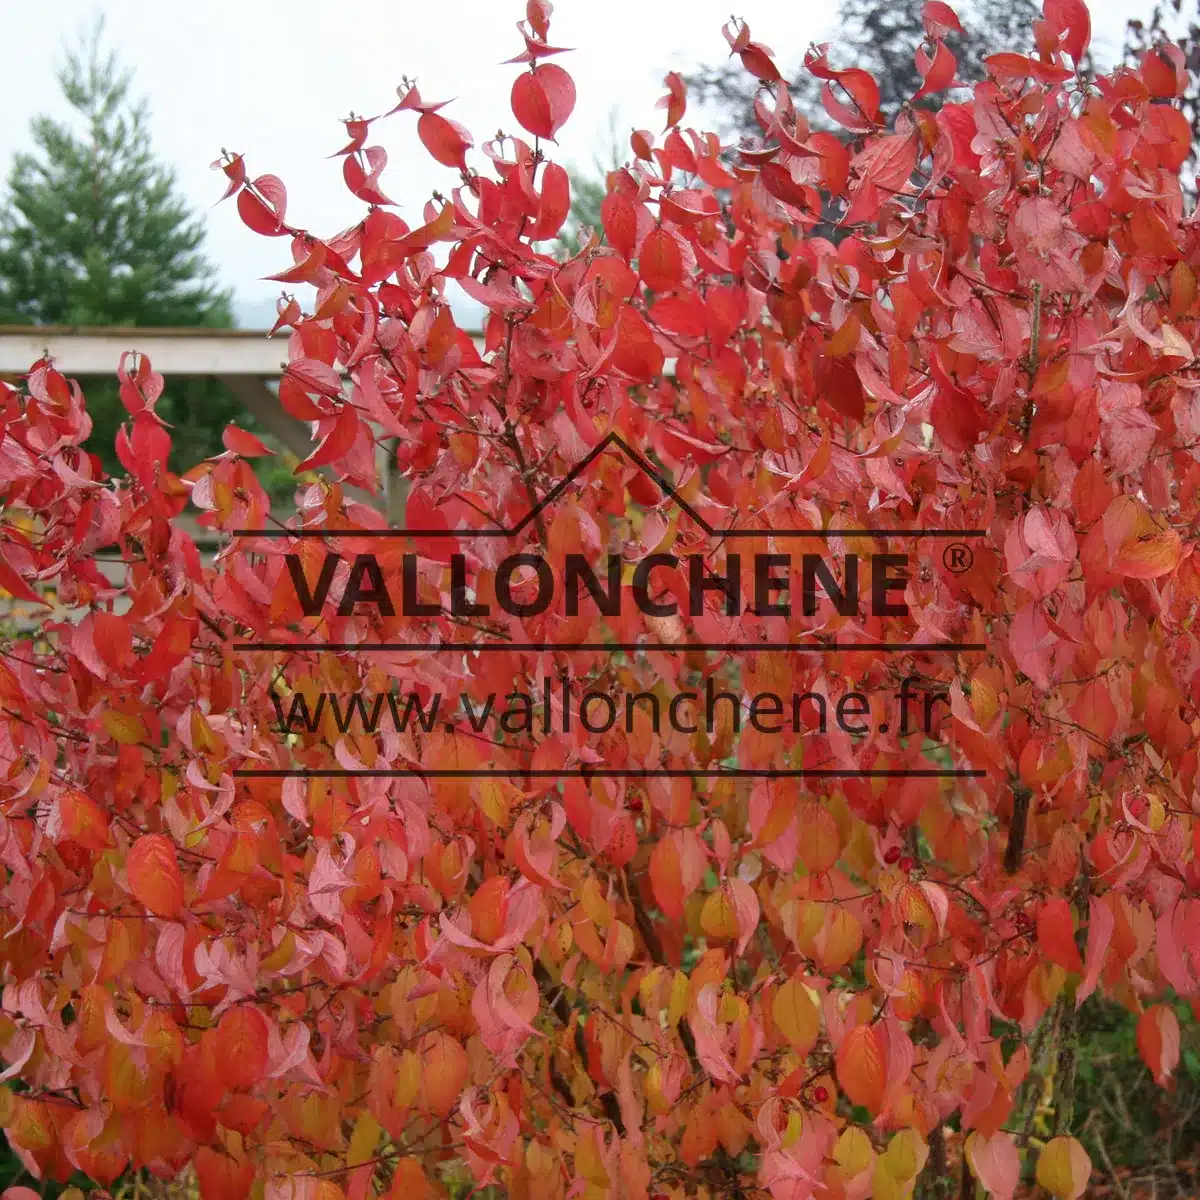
(1035, 331)
(1016, 829)
(654, 948)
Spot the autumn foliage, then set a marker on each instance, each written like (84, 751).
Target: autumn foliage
(634, 984)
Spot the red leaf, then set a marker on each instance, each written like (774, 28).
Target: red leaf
(1070, 17)
(447, 141)
(306, 269)
(939, 19)
(1018, 66)
(682, 446)
(958, 416)
(240, 442)
(660, 261)
(140, 387)
(637, 353)
(263, 207)
(14, 585)
(683, 315)
(542, 99)
(641, 142)
(113, 641)
(938, 74)
(235, 172)
(315, 376)
(619, 218)
(863, 111)
(170, 648)
(675, 102)
(362, 184)
(1056, 935)
(289, 314)
(336, 444)
(555, 203)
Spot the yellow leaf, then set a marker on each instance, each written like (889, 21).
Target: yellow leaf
(408, 1079)
(797, 1014)
(853, 1152)
(839, 939)
(493, 800)
(595, 904)
(906, 1154)
(678, 1003)
(718, 918)
(364, 1139)
(1063, 1168)
(123, 728)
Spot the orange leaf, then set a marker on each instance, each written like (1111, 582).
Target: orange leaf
(862, 1067)
(83, 820)
(221, 1176)
(1158, 1041)
(444, 1073)
(153, 873)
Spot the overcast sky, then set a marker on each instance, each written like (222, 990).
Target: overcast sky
(273, 78)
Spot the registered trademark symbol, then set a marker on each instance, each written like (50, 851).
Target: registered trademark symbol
(957, 557)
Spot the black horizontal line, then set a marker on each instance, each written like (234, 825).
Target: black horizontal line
(847, 533)
(506, 533)
(372, 533)
(620, 647)
(606, 773)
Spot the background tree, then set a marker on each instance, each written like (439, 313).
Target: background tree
(94, 232)
(881, 39)
(1180, 23)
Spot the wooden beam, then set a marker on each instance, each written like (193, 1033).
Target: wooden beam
(97, 350)
(83, 352)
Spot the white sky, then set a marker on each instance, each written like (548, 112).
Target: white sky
(273, 78)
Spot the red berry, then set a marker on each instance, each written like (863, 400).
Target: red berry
(892, 854)
(906, 864)
(635, 804)
(820, 1095)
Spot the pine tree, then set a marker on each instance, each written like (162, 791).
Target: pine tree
(94, 232)
(881, 38)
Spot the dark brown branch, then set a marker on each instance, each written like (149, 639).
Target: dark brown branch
(1016, 829)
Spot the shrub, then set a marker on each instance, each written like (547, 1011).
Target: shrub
(330, 959)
